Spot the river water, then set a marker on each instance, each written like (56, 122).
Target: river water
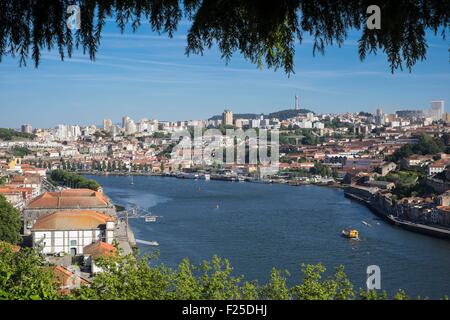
(261, 226)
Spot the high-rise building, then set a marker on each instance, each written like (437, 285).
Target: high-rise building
(297, 103)
(379, 116)
(107, 125)
(74, 131)
(125, 120)
(67, 132)
(239, 123)
(227, 118)
(61, 132)
(130, 127)
(27, 128)
(437, 110)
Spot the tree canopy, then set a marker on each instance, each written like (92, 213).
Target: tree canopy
(426, 145)
(263, 32)
(10, 134)
(24, 275)
(74, 180)
(130, 278)
(9, 222)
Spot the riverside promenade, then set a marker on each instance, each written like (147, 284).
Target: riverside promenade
(438, 232)
(125, 238)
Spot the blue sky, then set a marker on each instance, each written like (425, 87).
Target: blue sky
(147, 75)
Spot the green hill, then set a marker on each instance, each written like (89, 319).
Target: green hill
(10, 134)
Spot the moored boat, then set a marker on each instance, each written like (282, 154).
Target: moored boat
(150, 219)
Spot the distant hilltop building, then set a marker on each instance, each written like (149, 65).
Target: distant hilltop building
(27, 128)
(297, 103)
(437, 110)
(227, 118)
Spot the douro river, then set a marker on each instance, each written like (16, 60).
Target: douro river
(260, 226)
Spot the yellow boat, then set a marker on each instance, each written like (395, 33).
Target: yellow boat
(350, 233)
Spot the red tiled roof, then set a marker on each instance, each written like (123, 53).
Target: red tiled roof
(72, 220)
(66, 279)
(70, 199)
(439, 163)
(100, 249)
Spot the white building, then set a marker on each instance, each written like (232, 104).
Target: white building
(70, 232)
(305, 124)
(130, 127)
(125, 120)
(437, 167)
(67, 132)
(96, 250)
(319, 125)
(255, 123)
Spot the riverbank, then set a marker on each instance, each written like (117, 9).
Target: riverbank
(407, 225)
(293, 183)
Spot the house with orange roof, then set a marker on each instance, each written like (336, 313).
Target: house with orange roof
(72, 199)
(17, 197)
(95, 251)
(437, 166)
(28, 181)
(29, 169)
(69, 232)
(67, 280)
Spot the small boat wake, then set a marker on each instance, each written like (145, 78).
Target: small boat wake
(148, 243)
(366, 224)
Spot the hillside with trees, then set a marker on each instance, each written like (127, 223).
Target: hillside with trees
(426, 145)
(10, 134)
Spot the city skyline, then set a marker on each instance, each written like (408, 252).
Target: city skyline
(106, 121)
(144, 74)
